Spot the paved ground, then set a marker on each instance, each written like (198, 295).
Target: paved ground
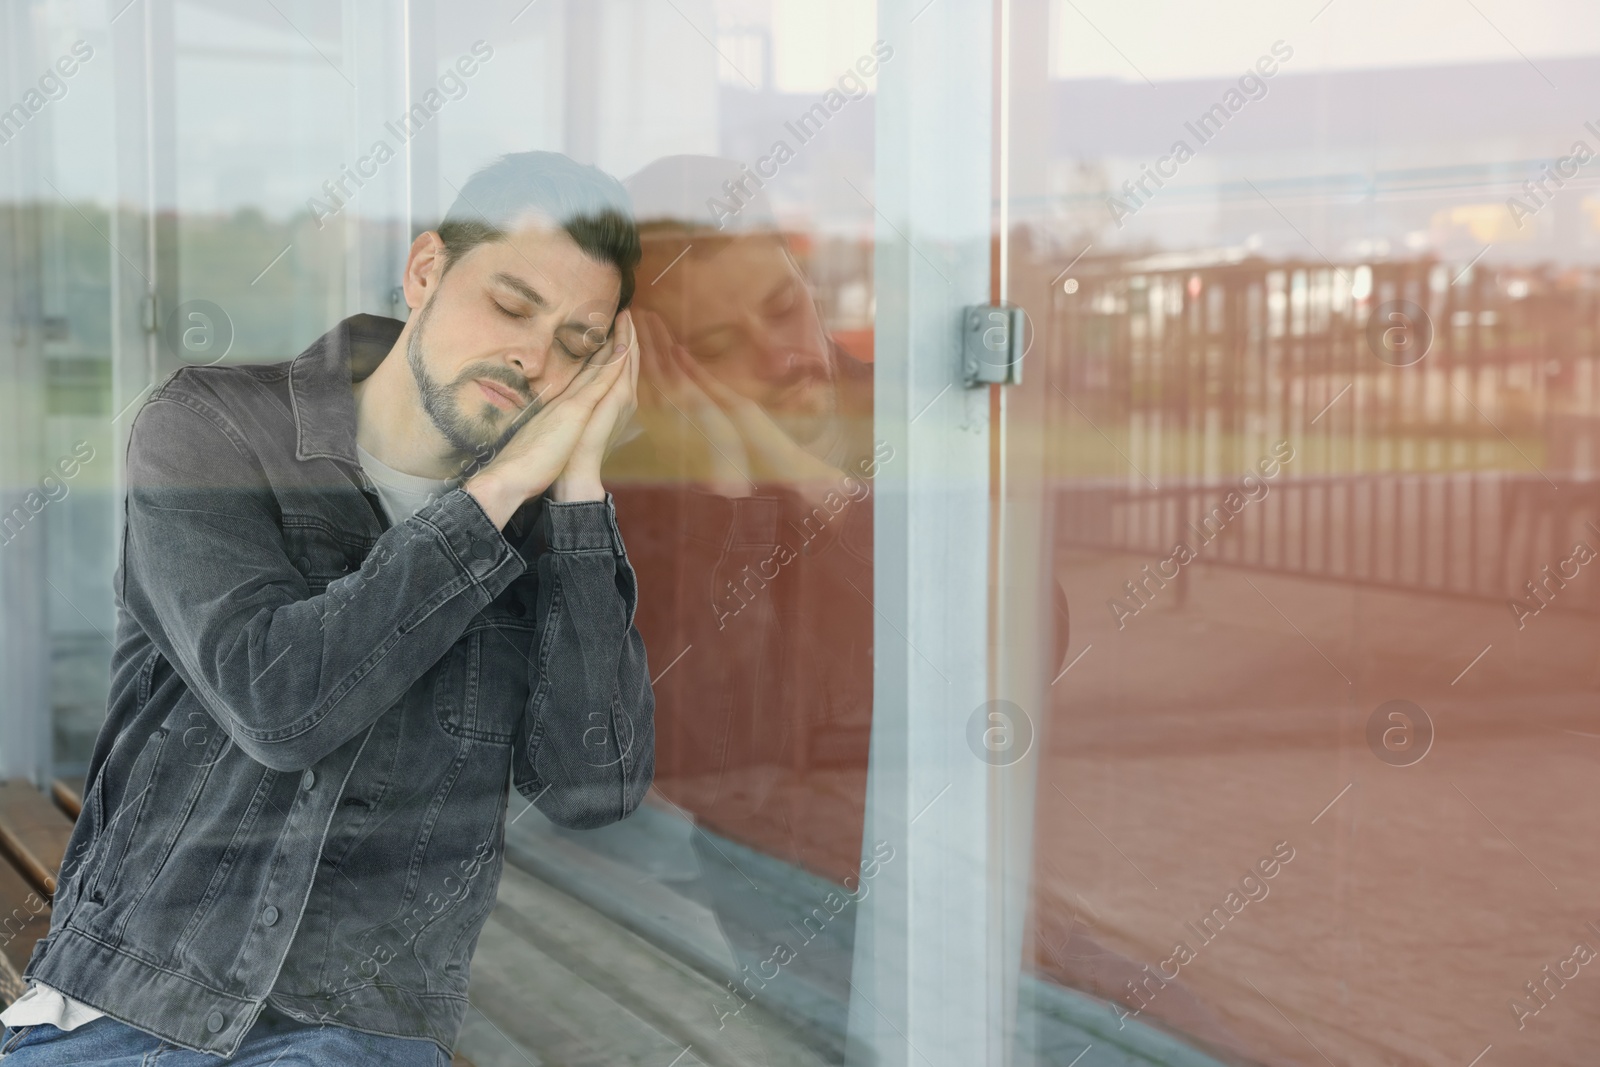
(1229, 718)
(1419, 903)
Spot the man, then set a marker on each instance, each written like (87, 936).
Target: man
(358, 594)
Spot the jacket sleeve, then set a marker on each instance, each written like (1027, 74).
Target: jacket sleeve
(205, 572)
(585, 750)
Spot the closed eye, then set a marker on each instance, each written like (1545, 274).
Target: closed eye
(507, 312)
(784, 301)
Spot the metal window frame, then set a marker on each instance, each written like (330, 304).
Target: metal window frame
(929, 971)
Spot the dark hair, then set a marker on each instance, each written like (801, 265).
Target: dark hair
(589, 204)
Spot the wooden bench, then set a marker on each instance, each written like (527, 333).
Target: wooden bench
(34, 830)
(33, 839)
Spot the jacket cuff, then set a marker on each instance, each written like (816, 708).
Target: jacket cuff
(472, 538)
(736, 522)
(582, 526)
(816, 527)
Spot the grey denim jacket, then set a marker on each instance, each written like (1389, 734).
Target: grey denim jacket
(300, 790)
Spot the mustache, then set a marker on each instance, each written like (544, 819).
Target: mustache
(500, 376)
(809, 369)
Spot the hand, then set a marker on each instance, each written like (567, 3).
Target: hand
(580, 480)
(677, 413)
(540, 449)
(776, 456)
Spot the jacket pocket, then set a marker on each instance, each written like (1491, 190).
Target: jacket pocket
(480, 688)
(320, 555)
(124, 823)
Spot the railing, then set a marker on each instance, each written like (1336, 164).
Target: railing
(1452, 450)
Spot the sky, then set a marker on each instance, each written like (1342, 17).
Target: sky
(277, 133)
(1175, 39)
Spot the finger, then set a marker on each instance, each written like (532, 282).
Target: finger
(630, 357)
(622, 342)
(645, 368)
(633, 369)
(620, 392)
(656, 348)
(664, 345)
(709, 382)
(602, 369)
(613, 348)
(726, 395)
(686, 382)
(582, 392)
(591, 371)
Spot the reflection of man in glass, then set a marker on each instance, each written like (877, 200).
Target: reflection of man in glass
(740, 357)
(751, 485)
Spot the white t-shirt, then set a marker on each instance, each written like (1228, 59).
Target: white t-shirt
(41, 1004)
(402, 495)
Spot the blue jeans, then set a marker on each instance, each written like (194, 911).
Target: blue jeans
(274, 1039)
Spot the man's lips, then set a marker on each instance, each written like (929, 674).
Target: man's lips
(499, 395)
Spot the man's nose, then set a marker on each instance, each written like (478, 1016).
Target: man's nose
(530, 359)
(781, 355)
(775, 359)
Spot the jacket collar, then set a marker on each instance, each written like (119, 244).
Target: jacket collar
(320, 379)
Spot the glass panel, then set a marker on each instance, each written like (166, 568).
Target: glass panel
(265, 104)
(269, 167)
(1315, 379)
(58, 538)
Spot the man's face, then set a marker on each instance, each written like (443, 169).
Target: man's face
(504, 331)
(746, 314)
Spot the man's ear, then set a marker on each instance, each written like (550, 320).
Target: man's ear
(424, 269)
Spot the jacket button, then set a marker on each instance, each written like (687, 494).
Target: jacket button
(304, 562)
(518, 609)
(308, 779)
(215, 1021)
(482, 549)
(270, 915)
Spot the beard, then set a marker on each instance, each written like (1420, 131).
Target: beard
(805, 404)
(470, 435)
(808, 427)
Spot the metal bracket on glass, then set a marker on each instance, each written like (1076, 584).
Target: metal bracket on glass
(992, 344)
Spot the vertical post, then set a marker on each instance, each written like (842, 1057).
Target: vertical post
(25, 727)
(142, 129)
(583, 63)
(377, 233)
(923, 969)
(430, 197)
(1025, 583)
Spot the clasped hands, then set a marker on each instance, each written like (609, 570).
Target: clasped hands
(689, 411)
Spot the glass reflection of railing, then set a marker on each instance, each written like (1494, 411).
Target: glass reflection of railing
(1444, 420)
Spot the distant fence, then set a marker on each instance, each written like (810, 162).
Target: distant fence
(1464, 473)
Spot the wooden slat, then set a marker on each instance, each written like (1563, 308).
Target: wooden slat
(24, 919)
(605, 995)
(68, 794)
(33, 834)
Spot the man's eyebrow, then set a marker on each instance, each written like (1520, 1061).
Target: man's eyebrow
(522, 288)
